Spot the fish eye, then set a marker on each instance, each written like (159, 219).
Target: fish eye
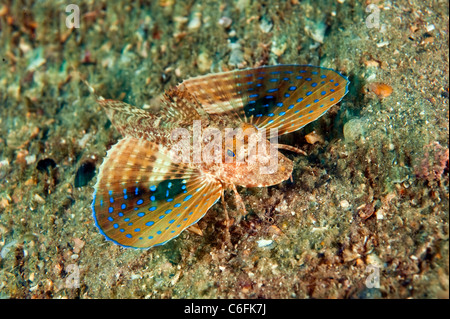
(230, 153)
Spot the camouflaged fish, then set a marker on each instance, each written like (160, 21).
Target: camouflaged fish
(144, 197)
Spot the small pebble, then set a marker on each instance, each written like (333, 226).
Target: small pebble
(30, 159)
(374, 260)
(195, 22)
(135, 276)
(21, 156)
(383, 44)
(204, 62)
(372, 63)
(313, 138)
(344, 204)
(39, 199)
(264, 242)
(430, 27)
(4, 202)
(79, 244)
(36, 60)
(382, 90)
(265, 25)
(353, 130)
(4, 163)
(83, 141)
(277, 48)
(316, 31)
(236, 55)
(5, 250)
(225, 22)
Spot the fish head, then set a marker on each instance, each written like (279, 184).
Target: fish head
(251, 160)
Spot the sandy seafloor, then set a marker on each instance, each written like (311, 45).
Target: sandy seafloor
(371, 194)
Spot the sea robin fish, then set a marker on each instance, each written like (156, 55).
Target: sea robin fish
(152, 185)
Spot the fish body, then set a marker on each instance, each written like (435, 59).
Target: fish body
(213, 132)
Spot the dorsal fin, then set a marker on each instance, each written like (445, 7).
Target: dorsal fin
(134, 122)
(181, 106)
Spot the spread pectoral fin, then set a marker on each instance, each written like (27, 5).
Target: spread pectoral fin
(143, 199)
